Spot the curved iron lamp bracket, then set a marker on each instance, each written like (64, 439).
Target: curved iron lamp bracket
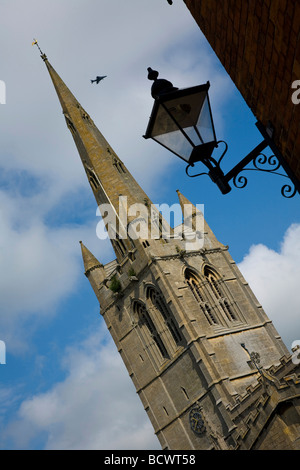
(257, 158)
(240, 181)
(215, 163)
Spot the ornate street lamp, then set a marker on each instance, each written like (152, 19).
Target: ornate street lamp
(181, 121)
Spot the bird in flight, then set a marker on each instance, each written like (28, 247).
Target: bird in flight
(98, 79)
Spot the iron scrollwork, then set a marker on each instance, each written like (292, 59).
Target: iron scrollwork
(259, 161)
(269, 165)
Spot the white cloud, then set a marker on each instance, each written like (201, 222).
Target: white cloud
(274, 277)
(95, 407)
(41, 265)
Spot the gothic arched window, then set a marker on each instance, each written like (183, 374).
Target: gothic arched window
(121, 245)
(119, 165)
(117, 240)
(70, 124)
(213, 282)
(147, 324)
(193, 282)
(218, 294)
(93, 179)
(159, 304)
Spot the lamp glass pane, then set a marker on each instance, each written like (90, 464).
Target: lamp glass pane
(183, 122)
(186, 109)
(176, 142)
(163, 123)
(204, 124)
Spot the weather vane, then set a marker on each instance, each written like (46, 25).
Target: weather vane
(35, 43)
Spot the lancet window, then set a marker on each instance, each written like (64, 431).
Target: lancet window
(217, 292)
(119, 165)
(70, 124)
(194, 284)
(93, 179)
(158, 304)
(211, 295)
(120, 246)
(151, 335)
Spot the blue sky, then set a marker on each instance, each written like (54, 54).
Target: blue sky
(63, 384)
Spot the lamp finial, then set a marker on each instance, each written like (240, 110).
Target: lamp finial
(160, 85)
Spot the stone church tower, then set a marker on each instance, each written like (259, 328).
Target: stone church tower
(207, 363)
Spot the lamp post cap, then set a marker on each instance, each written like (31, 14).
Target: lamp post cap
(160, 85)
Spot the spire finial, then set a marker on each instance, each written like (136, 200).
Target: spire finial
(35, 43)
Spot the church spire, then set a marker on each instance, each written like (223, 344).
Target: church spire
(107, 174)
(110, 180)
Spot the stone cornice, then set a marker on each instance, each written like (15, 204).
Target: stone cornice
(188, 254)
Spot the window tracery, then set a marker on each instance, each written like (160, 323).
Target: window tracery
(157, 301)
(211, 297)
(150, 330)
(194, 284)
